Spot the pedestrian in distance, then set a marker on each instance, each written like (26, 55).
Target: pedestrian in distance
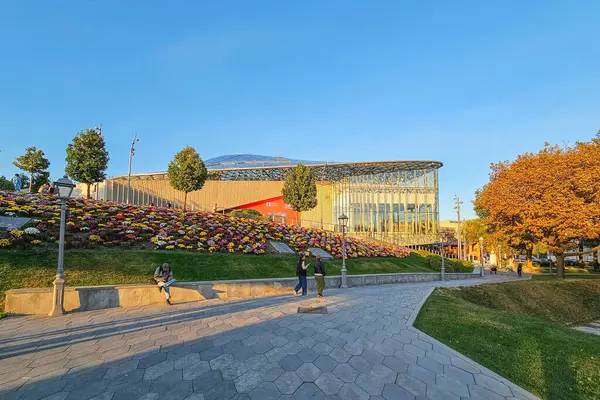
(319, 275)
(301, 268)
(163, 277)
(16, 180)
(44, 189)
(520, 269)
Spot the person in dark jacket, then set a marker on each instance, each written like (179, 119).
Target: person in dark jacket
(301, 273)
(163, 276)
(319, 275)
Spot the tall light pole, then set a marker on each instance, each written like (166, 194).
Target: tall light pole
(343, 221)
(481, 255)
(64, 188)
(443, 271)
(457, 203)
(131, 153)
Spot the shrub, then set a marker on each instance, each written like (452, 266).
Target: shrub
(247, 213)
(435, 263)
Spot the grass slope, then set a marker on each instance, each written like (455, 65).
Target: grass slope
(526, 344)
(591, 275)
(27, 269)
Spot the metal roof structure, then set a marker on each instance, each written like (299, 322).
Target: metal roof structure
(251, 161)
(247, 167)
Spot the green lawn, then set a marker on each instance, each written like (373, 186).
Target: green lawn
(528, 343)
(23, 269)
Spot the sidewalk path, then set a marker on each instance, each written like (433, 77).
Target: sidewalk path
(258, 349)
(592, 327)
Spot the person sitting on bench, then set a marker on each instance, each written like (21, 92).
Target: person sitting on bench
(163, 277)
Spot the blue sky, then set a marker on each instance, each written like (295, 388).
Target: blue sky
(464, 82)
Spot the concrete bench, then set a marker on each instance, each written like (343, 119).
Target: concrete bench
(39, 301)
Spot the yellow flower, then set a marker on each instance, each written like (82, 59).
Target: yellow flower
(16, 233)
(188, 247)
(4, 243)
(170, 247)
(36, 241)
(94, 238)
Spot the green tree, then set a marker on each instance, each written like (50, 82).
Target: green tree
(24, 181)
(87, 158)
(187, 172)
(33, 161)
(43, 178)
(6, 184)
(300, 189)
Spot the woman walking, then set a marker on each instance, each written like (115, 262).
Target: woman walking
(301, 273)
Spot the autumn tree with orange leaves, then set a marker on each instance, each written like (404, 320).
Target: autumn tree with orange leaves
(551, 197)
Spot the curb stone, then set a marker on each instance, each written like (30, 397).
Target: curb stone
(517, 390)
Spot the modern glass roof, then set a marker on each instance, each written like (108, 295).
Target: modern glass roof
(251, 167)
(230, 161)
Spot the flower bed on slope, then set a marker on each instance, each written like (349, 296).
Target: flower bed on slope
(92, 223)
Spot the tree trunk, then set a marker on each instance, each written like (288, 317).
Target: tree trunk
(31, 183)
(529, 252)
(595, 254)
(88, 190)
(580, 261)
(560, 265)
(185, 201)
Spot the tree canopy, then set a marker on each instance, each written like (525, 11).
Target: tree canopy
(187, 172)
(551, 197)
(6, 184)
(87, 158)
(33, 161)
(300, 189)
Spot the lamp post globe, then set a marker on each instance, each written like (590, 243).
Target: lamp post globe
(64, 188)
(343, 219)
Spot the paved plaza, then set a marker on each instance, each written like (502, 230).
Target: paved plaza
(257, 349)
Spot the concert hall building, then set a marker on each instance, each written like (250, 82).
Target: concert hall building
(392, 201)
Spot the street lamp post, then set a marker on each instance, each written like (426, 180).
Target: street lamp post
(481, 255)
(443, 271)
(343, 221)
(457, 203)
(131, 153)
(64, 188)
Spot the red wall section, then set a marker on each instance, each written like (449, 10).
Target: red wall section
(274, 207)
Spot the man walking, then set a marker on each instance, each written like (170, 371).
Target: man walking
(319, 275)
(16, 180)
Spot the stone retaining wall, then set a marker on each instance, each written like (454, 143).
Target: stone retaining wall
(39, 301)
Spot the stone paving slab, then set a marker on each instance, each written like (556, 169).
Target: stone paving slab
(365, 348)
(593, 327)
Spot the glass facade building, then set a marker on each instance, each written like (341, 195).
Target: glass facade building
(399, 207)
